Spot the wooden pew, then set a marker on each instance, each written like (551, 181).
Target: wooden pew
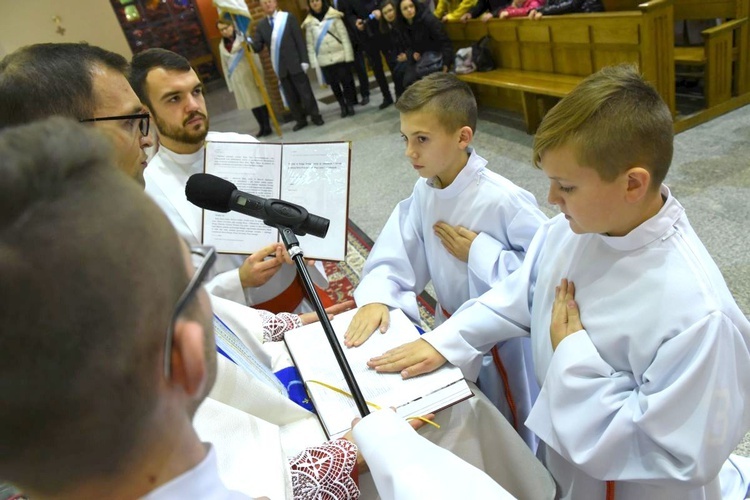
(723, 60)
(724, 55)
(540, 61)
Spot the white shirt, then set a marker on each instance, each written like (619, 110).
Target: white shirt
(654, 392)
(202, 481)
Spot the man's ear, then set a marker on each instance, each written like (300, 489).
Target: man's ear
(189, 356)
(465, 136)
(638, 183)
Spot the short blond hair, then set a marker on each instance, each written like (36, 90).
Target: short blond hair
(614, 120)
(443, 94)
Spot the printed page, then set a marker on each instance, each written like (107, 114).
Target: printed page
(254, 168)
(316, 176)
(315, 361)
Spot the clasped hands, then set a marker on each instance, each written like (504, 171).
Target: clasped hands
(418, 357)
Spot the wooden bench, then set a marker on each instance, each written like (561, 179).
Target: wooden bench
(723, 61)
(540, 61)
(723, 58)
(532, 86)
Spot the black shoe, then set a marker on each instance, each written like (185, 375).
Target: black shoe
(344, 111)
(349, 111)
(386, 102)
(365, 100)
(318, 120)
(299, 126)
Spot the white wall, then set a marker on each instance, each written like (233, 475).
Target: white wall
(25, 22)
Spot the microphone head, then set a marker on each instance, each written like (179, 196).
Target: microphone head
(209, 192)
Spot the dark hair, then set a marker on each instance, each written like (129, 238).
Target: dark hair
(47, 79)
(89, 273)
(324, 6)
(445, 96)
(419, 10)
(382, 23)
(147, 60)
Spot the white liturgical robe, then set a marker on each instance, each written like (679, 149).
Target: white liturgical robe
(408, 254)
(654, 393)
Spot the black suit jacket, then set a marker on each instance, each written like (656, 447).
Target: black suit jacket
(293, 51)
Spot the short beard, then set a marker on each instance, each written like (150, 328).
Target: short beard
(181, 134)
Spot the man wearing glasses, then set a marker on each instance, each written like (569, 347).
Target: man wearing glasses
(103, 381)
(83, 82)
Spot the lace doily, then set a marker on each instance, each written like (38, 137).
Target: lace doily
(325, 472)
(275, 325)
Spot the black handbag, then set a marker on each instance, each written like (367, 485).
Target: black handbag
(430, 62)
(481, 54)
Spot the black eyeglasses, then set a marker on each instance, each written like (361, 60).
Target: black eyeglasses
(208, 255)
(144, 123)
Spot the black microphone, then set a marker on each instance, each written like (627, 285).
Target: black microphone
(219, 195)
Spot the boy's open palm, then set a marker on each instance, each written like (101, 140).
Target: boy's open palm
(456, 239)
(566, 318)
(412, 359)
(365, 322)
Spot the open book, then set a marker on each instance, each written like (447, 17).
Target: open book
(417, 396)
(314, 176)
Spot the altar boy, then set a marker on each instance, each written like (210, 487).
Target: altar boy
(646, 391)
(464, 227)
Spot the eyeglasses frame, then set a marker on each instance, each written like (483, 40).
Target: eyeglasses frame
(144, 117)
(209, 257)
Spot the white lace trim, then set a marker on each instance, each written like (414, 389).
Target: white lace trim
(276, 325)
(325, 472)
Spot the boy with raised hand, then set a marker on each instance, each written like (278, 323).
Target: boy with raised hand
(464, 227)
(644, 392)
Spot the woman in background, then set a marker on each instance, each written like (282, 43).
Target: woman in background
(425, 33)
(394, 43)
(239, 76)
(330, 51)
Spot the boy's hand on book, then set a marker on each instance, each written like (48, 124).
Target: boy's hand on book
(261, 266)
(456, 239)
(364, 323)
(566, 318)
(412, 359)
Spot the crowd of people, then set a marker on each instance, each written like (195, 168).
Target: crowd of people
(610, 358)
(342, 38)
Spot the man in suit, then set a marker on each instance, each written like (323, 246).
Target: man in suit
(280, 32)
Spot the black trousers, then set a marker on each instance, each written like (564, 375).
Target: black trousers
(299, 96)
(372, 50)
(339, 78)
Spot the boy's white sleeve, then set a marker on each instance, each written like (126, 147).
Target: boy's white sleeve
(404, 465)
(501, 313)
(227, 285)
(491, 261)
(396, 269)
(674, 425)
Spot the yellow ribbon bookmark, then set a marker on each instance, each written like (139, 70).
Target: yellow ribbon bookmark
(341, 391)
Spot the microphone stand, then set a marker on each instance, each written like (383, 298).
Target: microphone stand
(292, 245)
